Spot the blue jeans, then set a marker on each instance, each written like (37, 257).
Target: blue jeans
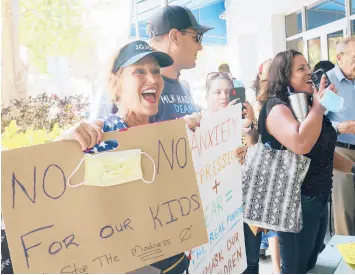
(264, 241)
(299, 251)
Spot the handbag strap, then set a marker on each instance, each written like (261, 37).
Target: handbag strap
(281, 148)
(263, 112)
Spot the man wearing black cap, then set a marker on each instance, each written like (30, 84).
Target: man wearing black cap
(175, 31)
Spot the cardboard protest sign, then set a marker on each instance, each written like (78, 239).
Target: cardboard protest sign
(219, 178)
(54, 228)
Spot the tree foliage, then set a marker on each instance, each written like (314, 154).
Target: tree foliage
(53, 28)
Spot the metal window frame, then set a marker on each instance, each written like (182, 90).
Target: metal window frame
(303, 10)
(297, 11)
(347, 15)
(323, 31)
(319, 2)
(351, 18)
(304, 18)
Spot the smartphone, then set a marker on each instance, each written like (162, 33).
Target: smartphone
(237, 93)
(317, 77)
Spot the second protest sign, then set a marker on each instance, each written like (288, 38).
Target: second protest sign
(218, 173)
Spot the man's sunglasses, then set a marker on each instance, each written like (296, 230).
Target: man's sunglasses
(214, 75)
(198, 36)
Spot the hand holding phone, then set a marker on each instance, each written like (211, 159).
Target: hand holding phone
(328, 97)
(317, 77)
(237, 93)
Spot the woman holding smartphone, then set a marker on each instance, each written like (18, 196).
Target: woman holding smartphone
(315, 138)
(220, 94)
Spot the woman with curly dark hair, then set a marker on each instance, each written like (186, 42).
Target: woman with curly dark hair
(315, 138)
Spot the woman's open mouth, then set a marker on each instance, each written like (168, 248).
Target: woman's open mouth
(150, 95)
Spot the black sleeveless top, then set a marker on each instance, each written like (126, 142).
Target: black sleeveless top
(319, 176)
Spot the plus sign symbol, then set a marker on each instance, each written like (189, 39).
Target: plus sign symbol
(216, 184)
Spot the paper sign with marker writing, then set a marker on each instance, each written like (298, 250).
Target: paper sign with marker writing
(219, 178)
(54, 228)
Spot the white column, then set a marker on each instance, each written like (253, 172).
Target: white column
(347, 14)
(250, 41)
(136, 19)
(278, 34)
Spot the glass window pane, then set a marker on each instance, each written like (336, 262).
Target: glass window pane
(296, 44)
(333, 39)
(353, 26)
(352, 6)
(323, 13)
(314, 51)
(294, 23)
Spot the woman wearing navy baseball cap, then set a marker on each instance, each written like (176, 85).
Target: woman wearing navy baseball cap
(136, 85)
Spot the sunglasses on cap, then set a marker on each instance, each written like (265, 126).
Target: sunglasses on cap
(197, 36)
(214, 75)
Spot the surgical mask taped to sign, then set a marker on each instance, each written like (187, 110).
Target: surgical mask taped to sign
(112, 168)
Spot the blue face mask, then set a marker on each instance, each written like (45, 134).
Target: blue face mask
(331, 101)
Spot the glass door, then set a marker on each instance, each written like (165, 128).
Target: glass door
(333, 39)
(314, 51)
(320, 43)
